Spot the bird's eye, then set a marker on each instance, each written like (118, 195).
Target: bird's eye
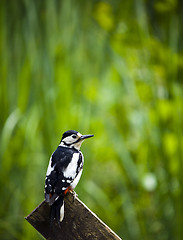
(74, 136)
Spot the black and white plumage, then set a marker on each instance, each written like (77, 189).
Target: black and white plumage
(64, 171)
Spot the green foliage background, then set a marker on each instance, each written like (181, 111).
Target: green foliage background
(110, 68)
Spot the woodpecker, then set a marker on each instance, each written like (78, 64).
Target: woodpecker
(64, 172)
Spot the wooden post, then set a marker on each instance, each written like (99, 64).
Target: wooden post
(79, 222)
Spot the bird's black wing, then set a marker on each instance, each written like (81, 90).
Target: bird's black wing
(56, 183)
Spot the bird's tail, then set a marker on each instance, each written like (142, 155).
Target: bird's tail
(57, 210)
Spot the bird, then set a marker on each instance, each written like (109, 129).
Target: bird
(64, 171)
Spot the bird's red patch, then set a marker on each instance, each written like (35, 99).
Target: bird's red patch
(50, 195)
(67, 190)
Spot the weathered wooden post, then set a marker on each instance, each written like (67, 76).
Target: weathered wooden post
(79, 222)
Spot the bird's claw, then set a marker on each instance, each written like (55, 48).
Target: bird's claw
(74, 194)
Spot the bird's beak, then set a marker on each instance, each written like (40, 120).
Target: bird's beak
(86, 136)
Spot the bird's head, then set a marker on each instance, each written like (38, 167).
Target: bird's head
(73, 138)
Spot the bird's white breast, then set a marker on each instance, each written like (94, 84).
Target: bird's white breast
(76, 180)
(70, 171)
